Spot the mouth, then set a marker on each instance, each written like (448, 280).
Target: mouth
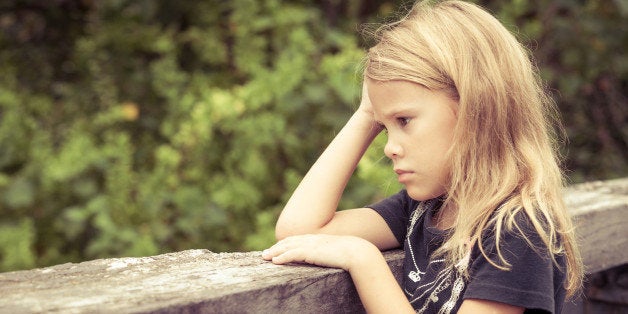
(403, 175)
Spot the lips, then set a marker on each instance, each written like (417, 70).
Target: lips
(403, 175)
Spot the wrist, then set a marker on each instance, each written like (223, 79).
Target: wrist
(363, 254)
(366, 121)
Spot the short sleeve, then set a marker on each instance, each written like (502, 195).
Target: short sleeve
(396, 211)
(534, 281)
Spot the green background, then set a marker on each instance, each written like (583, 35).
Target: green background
(136, 127)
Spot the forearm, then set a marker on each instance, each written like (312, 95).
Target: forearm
(315, 200)
(376, 285)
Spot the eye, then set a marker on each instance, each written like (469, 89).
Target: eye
(403, 121)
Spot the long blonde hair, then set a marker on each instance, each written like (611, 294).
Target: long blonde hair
(504, 157)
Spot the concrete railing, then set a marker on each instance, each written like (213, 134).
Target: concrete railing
(206, 282)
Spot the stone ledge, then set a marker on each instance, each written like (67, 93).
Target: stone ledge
(600, 211)
(200, 281)
(187, 281)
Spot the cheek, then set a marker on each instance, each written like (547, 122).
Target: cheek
(439, 146)
(439, 136)
(446, 130)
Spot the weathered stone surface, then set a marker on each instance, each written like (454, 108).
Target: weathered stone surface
(196, 281)
(600, 210)
(200, 281)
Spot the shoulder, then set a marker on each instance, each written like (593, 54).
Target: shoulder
(516, 230)
(396, 211)
(398, 205)
(513, 265)
(506, 242)
(399, 199)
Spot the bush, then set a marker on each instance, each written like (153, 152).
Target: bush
(133, 128)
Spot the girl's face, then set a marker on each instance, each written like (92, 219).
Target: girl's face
(420, 125)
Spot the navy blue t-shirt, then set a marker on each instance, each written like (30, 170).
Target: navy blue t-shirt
(533, 282)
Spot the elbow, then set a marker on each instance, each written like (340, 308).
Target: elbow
(279, 235)
(284, 230)
(289, 225)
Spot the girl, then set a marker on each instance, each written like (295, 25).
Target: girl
(481, 218)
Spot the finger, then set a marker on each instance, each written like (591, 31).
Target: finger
(296, 255)
(267, 255)
(282, 246)
(273, 251)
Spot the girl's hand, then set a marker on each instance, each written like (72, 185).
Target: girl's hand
(365, 103)
(366, 107)
(321, 249)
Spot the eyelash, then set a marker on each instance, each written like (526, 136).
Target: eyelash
(403, 121)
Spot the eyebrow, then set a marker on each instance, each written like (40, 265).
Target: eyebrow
(402, 109)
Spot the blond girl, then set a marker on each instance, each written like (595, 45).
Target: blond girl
(481, 219)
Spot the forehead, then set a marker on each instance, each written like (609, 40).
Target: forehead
(391, 109)
(392, 98)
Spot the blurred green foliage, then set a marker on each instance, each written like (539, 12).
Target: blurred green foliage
(133, 128)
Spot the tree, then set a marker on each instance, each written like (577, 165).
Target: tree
(133, 128)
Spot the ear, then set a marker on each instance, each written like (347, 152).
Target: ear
(452, 93)
(454, 106)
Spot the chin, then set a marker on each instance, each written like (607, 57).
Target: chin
(422, 194)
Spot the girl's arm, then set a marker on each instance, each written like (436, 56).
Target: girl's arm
(470, 306)
(311, 231)
(314, 202)
(375, 283)
(312, 206)
(377, 287)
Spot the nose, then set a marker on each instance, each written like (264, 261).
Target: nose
(392, 149)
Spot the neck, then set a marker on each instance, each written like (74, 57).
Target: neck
(445, 218)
